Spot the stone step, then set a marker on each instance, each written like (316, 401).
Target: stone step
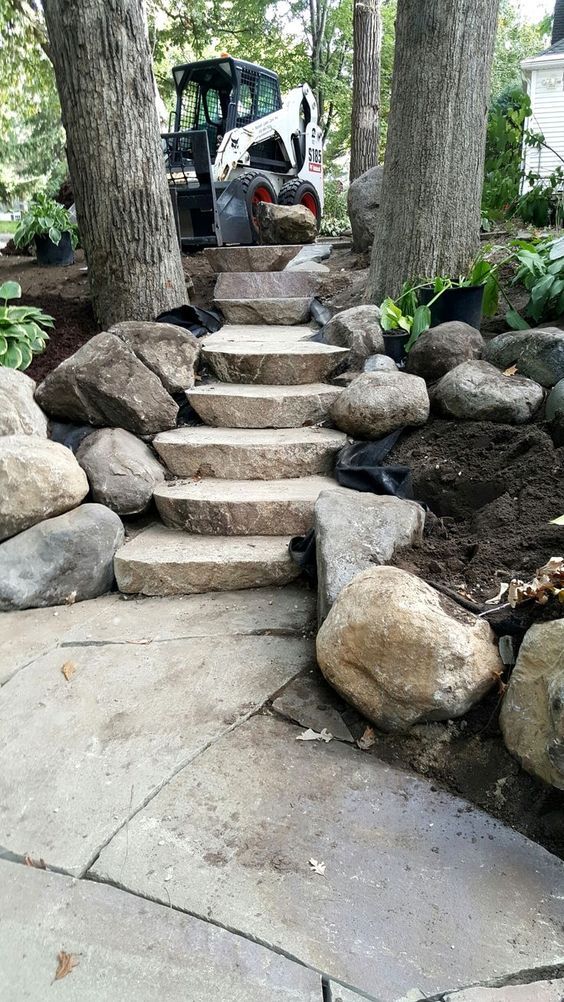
(241, 507)
(241, 405)
(276, 333)
(271, 363)
(162, 561)
(260, 454)
(257, 258)
(280, 297)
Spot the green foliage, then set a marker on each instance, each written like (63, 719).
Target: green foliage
(541, 271)
(32, 153)
(22, 329)
(543, 204)
(394, 316)
(504, 144)
(516, 39)
(45, 217)
(335, 217)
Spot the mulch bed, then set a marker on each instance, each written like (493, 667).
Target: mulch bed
(74, 325)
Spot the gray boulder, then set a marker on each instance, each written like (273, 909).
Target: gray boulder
(376, 403)
(363, 202)
(554, 412)
(38, 479)
(532, 712)
(170, 352)
(357, 329)
(104, 383)
(538, 353)
(354, 531)
(19, 414)
(477, 391)
(122, 470)
(442, 348)
(379, 363)
(64, 559)
(285, 224)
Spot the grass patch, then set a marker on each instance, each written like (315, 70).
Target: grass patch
(8, 226)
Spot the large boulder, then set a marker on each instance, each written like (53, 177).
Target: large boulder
(38, 479)
(379, 363)
(538, 353)
(104, 383)
(357, 329)
(122, 471)
(532, 712)
(285, 224)
(354, 531)
(167, 350)
(477, 391)
(442, 348)
(376, 403)
(363, 202)
(554, 412)
(64, 559)
(19, 414)
(404, 654)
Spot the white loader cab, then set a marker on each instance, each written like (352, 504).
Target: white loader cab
(237, 143)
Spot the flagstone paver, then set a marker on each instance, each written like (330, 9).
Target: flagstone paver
(128, 950)
(419, 888)
(78, 757)
(538, 991)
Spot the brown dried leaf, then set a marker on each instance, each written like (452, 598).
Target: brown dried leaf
(511, 371)
(68, 670)
(65, 964)
(39, 864)
(367, 739)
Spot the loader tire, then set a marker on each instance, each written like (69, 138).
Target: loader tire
(257, 188)
(298, 192)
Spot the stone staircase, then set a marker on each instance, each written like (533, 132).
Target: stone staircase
(248, 479)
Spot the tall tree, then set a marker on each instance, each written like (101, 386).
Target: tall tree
(366, 86)
(102, 64)
(434, 163)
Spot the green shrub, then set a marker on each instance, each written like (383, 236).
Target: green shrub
(335, 216)
(45, 218)
(22, 333)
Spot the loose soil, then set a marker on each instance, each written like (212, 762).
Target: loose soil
(492, 490)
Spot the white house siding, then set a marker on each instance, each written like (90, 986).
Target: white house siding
(545, 82)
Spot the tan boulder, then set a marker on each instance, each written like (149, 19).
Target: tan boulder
(532, 713)
(402, 653)
(38, 479)
(376, 403)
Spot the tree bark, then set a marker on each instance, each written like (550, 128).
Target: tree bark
(102, 64)
(434, 164)
(366, 87)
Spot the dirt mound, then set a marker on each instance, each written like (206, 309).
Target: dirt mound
(492, 491)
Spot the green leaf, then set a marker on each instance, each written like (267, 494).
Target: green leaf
(421, 323)
(3, 346)
(10, 290)
(516, 321)
(491, 296)
(27, 356)
(12, 357)
(390, 315)
(557, 249)
(54, 235)
(541, 291)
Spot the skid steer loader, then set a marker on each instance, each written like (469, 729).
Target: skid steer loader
(236, 143)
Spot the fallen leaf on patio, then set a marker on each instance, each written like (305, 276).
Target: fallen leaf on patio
(317, 867)
(68, 670)
(39, 864)
(511, 371)
(367, 739)
(65, 963)
(311, 735)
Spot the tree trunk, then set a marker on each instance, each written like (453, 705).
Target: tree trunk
(366, 87)
(434, 165)
(105, 82)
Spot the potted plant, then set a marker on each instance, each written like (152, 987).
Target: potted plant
(49, 225)
(22, 329)
(401, 329)
(464, 298)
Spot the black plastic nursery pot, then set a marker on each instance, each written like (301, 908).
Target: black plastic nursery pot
(463, 304)
(394, 345)
(54, 255)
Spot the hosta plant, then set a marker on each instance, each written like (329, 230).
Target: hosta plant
(22, 329)
(45, 218)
